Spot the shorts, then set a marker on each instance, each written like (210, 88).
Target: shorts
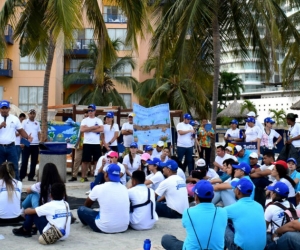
(91, 152)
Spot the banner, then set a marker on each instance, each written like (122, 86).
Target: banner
(151, 125)
(250, 146)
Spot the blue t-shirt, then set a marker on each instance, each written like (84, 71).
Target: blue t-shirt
(296, 175)
(245, 158)
(249, 223)
(202, 217)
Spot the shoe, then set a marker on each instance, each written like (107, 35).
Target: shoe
(31, 179)
(20, 232)
(84, 179)
(73, 179)
(34, 231)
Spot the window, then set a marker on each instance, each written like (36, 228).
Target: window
(121, 34)
(29, 63)
(113, 14)
(75, 98)
(127, 99)
(1, 93)
(125, 70)
(74, 64)
(29, 97)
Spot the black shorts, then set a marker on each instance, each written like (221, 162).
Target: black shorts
(91, 152)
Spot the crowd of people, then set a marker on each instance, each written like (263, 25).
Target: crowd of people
(234, 203)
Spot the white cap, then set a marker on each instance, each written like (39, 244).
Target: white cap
(238, 148)
(160, 144)
(201, 163)
(253, 155)
(131, 115)
(251, 113)
(229, 148)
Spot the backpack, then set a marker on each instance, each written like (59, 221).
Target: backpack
(290, 213)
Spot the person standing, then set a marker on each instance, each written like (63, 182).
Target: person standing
(253, 133)
(252, 114)
(185, 142)
(110, 134)
(32, 127)
(233, 134)
(294, 130)
(127, 131)
(22, 117)
(91, 152)
(9, 124)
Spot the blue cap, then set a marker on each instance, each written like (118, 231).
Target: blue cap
(269, 119)
(244, 185)
(113, 171)
(148, 148)
(250, 119)
(155, 161)
(4, 103)
(171, 164)
(280, 188)
(192, 123)
(187, 116)
(292, 159)
(110, 115)
(93, 106)
(243, 166)
(234, 121)
(204, 189)
(133, 145)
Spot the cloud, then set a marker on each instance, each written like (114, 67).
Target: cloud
(69, 131)
(51, 129)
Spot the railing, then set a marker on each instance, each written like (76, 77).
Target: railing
(5, 64)
(82, 43)
(266, 89)
(75, 70)
(117, 18)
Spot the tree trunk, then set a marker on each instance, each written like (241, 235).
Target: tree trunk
(44, 114)
(217, 56)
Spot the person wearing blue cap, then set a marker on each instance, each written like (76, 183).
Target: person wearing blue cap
(113, 199)
(173, 190)
(252, 114)
(267, 140)
(9, 125)
(156, 176)
(91, 126)
(204, 223)
(294, 174)
(110, 134)
(185, 142)
(248, 228)
(253, 133)
(233, 134)
(132, 161)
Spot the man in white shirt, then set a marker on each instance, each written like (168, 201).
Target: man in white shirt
(33, 128)
(127, 131)
(156, 153)
(185, 142)
(22, 117)
(9, 124)
(91, 127)
(173, 190)
(142, 203)
(113, 199)
(221, 156)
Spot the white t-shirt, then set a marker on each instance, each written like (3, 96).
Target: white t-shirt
(155, 154)
(253, 133)
(91, 137)
(56, 212)
(123, 171)
(185, 141)
(156, 179)
(8, 134)
(181, 174)
(32, 128)
(293, 132)
(291, 189)
(212, 174)
(276, 214)
(233, 133)
(99, 164)
(127, 139)
(10, 208)
(113, 201)
(267, 139)
(110, 133)
(175, 192)
(135, 164)
(141, 219)
(18, 138)
(270, 167)
(257, 123)
(226, 156)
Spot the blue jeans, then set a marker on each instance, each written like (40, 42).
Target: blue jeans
(99, 179)
(32, 200)
(9, 154)
(163, 210)
(229, 239)
(226, 196)
(170, 242)
(87, 217)
(288, 241)
(189, 161)
(40, 222)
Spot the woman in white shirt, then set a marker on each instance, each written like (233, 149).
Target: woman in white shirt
(110, 134)
(132, 161)
(156, 175)
(10, 195)
(233, 134)
(253, 133)
(294, 130)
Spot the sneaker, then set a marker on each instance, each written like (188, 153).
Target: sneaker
(84, 179)
(73, 179)
(87, 192)
(20, 232)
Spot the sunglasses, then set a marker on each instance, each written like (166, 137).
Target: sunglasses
(91, 110)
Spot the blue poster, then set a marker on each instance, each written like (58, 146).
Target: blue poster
(250, 146)
(151, 125)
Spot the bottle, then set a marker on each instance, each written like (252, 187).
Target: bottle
(147, 244)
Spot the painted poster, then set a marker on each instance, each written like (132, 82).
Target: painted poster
(151, 125)
(63, 132)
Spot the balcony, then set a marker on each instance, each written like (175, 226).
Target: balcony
(6, 68)
(89, 80)
(8, 33)
(80, 47)
(114, 18)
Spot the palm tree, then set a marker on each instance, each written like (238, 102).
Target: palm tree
(248, 105)
(43, 22)
(279, 116)
(101, 93)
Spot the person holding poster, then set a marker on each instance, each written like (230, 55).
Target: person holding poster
(205, 134)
